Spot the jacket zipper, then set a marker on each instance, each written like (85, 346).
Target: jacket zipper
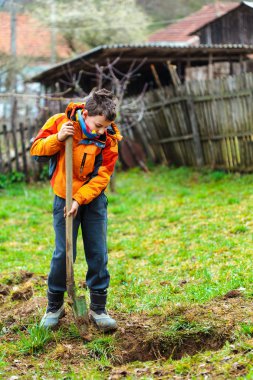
(83, 162)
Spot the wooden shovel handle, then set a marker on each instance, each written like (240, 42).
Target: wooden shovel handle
(69, 219)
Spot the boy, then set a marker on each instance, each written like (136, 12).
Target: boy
(95, 152)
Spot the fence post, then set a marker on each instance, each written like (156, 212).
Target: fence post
(22, 135)
(195, 132)
(1, 158)
(13, 128)
(7, 148)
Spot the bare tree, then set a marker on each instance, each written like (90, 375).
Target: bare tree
(129, 112)
(111, 77)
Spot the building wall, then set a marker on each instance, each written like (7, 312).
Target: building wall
(236, 27)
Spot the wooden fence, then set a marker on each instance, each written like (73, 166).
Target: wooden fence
(14, 137)
(202, 123)
(21, 116)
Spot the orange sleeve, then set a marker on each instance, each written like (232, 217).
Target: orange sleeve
(46, 142)
(104, 166)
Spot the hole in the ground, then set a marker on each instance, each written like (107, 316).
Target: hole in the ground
(182, 332)
(138, 343)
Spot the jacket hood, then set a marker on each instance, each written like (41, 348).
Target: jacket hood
(116, 135)
(72, 108)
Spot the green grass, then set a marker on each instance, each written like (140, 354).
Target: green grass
(166, 228)
(247, 329)
(33, 340)
(102, 350)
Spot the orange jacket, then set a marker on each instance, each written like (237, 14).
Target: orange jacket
(92, 166)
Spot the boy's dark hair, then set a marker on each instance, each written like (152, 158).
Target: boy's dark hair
(102, 102)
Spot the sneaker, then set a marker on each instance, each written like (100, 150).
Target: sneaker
(51, 319)
(103, 321)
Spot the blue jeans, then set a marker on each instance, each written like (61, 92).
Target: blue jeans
(93, 221)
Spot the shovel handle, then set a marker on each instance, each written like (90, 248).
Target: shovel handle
(69, 219)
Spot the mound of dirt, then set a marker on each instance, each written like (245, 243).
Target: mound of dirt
(16, 278)
(22, 292)
(4, 290)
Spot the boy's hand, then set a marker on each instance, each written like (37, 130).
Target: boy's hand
(73, 211)
(66, 130)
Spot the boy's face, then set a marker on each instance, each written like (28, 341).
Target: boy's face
(96, 123)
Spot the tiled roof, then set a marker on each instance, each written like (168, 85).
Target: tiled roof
(32, 38)
(181, 31)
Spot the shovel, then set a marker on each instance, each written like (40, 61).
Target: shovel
(78, 304)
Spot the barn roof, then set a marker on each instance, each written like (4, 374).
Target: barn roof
(183, 29)
(152, 52)
(239, 5)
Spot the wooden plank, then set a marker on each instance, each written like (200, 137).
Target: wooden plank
(238, 156)
(173, 74)
(1, 158)
(222, 96)
(152, 136)
(156, 76)
(13, 129)
(210, 66)
(221, 58)
(22, 136)
(227, 135)
(196, 137)
(174, 139)
(7, 148)
(143, 136)
(173, 123)
(202, 98)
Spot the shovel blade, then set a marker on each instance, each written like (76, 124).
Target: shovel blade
(81, 316)
(80, 307)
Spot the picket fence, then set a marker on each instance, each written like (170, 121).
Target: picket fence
(200, 124)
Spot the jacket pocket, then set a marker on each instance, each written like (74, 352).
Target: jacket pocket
(83, 162)
(88, 165)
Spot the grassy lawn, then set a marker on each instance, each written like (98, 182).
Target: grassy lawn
(180, 259)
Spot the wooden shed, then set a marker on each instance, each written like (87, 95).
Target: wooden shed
(59, 78)
(234, 27)
(183, 30)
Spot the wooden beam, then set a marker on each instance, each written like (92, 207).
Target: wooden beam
(156, 76)
(243, 65)
(210, 66)
(174, 59)
(174, 139)
(199, 98)
(173, 73)
(195, 131)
